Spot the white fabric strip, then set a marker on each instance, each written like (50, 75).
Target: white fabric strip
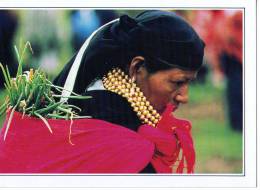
(70, 81)
(97, 85)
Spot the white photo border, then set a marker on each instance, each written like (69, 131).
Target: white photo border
(157, 181)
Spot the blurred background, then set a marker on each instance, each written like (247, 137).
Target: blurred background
(216, 103)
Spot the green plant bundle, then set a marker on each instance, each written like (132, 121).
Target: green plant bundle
(31, 93)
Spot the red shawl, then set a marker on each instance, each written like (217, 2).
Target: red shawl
(94, 146)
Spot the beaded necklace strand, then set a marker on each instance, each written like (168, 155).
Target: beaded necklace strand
(118, 82)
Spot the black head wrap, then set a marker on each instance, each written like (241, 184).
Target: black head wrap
(163, 38)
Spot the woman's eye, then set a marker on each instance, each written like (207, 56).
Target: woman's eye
(179, 83)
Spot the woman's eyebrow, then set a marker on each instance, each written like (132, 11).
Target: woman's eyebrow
(185, 78)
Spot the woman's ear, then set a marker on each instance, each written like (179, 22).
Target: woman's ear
(134, 67)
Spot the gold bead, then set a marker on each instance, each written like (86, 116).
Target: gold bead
(156, 121)
(154, 112)
(139, 99)
(146, 120)
(133, 104)
(136, 109)
(141, 107)
(134, 93)
(113, 79)
(120, 82)
(142, 103)
(145, 112)
(150, 108)
(139, 113)
(150, 123)
(137, 103)
(148, 115)
(126, 90)
(142, 117)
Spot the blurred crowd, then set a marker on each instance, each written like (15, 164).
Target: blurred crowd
(222, 31)
(55, 35)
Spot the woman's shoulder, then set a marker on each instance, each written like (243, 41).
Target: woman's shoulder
(111, 107)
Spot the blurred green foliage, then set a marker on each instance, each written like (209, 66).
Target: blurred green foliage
(219, 149)
(2, 96)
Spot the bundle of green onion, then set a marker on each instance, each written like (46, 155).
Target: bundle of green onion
(30, 93)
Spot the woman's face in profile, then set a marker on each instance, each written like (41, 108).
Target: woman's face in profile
(163, 87)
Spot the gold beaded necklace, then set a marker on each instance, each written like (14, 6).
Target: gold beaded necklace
(118, 82)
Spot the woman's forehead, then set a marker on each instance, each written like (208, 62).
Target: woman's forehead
(176, 73)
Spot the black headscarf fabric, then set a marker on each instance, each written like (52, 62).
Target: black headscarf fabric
(163, 38)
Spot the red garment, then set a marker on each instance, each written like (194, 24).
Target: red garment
(98, 147)
(182, 130)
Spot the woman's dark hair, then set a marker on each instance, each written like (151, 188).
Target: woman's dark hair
(164, 39)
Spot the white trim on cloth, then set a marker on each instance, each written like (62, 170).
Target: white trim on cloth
(70, 81)
(97, 85)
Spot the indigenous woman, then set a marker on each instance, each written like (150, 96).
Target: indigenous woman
(137, 72)
(133, 68)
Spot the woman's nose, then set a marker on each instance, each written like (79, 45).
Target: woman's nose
(183, 94)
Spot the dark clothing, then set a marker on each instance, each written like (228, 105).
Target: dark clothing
(8, 25)
(233, 72)
(108, 106)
